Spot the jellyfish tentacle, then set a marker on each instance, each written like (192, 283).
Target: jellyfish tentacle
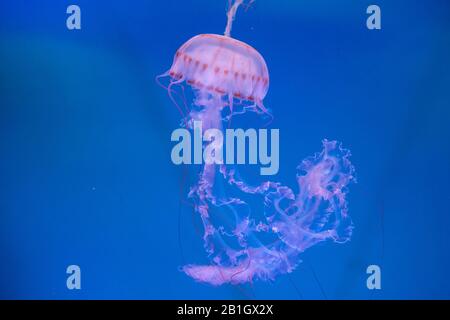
(230, 16)
(168, 88)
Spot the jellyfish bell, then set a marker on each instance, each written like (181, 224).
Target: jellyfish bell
(222, 65)
(221, 70)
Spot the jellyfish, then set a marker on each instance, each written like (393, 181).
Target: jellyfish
(224, 72)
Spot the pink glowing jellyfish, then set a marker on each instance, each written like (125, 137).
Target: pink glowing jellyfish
(222, 70)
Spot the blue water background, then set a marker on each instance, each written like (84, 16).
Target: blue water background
(85, 170)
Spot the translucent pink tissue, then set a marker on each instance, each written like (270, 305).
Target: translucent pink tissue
(294, 222)
(260, 237)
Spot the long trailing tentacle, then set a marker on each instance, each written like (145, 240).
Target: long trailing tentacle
(170, 92)
(230, 16)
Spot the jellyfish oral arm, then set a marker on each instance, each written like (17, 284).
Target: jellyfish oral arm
(317, 213)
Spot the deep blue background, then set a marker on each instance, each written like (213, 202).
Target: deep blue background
(85, 170)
